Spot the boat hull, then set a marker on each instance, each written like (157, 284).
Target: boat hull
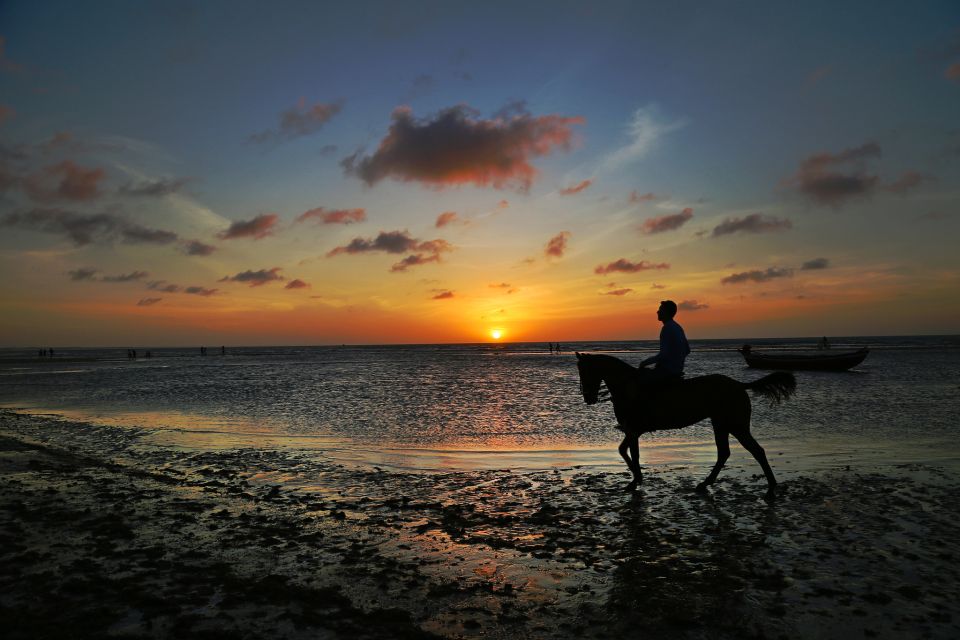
(806, 362)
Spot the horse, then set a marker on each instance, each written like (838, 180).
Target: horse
(643, 403)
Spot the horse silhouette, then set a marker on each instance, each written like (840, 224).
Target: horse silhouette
(642, 404)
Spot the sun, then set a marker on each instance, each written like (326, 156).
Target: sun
(496, 334)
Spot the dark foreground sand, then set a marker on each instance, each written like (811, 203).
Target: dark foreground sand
(102, 535)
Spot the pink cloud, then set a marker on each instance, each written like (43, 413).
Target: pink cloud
(753, 223)
(443, 295)
(952, 72)
(299, 121)
(834, 178)
(577, 188)
(297, 284)
(557, 245)
(334, 216)
(445, 218)
(258, 228)
(636, 196)
(64, 181)
(617, 292)
(456, 147)
(667, 222)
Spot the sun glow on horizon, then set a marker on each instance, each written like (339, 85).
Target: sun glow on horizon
(496, 334)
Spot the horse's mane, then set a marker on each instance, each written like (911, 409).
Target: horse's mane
(615, 364)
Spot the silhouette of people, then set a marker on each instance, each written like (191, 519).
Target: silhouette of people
(203, 351)
(51, 352)
(223, 350)
(824, 343)
(674, 347)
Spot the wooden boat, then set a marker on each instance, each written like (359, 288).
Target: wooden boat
(821, 360)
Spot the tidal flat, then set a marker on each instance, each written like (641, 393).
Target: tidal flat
(105, 534)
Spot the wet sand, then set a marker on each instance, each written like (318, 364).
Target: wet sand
(103, 534)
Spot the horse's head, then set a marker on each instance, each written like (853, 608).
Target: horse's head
(589, 379)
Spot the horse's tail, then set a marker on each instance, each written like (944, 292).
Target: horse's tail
(776, 387)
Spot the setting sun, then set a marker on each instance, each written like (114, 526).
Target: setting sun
(496, 334)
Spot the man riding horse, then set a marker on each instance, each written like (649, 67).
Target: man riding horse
(674, 347)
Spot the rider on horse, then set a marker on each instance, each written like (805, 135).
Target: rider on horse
(674, 347)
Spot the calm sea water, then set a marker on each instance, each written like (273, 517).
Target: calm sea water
(488, 405)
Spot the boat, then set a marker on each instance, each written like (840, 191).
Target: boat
(821, 360)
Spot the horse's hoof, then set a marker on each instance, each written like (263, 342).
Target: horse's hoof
(702, 487)
(632, 486)
(770, 495)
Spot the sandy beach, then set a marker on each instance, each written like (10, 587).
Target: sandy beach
(105, 535)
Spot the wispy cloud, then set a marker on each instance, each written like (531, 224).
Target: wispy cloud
(834, 178)
(133, 276)
(557, 245)
(443, 295)
(421, 251)
(154, 188)
(456, 147)
(908, 181)
(636, 197)
(83, 228)
(692, 305)
(757, 275)
(146, 302)
(298, 121)
(197, 248)
(64, 181)
(577, 188)
(644, 132)
(668, 222)
(618, 292)
(623, 265)
(753, 223)
(816, 263)
(258, 228)
(256, 278)
(333, 216)
(297, 284)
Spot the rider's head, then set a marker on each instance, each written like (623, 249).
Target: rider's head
(668, 309)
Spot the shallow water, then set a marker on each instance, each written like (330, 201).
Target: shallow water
(489, 406)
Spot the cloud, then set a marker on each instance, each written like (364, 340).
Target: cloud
(6, 64)
(79, 275)
(64, 181)
(617, 292)
(154, 188)
(146, 302)
(162, 285)
(328, 150)
(6, 113)
(443, 295)
(256, 278)
(506, 286)
(83, 229)
(816, 263)
(334, 216)
(577, 188)
(758, 276)
(456, 147)
(197, 248)
(658, 286)
(832, 179)
(691, 305)
(666, 223)
(503, 204)
(298, 121)
(258, 228)
(952, 72)
(625, 266)
(421, 86)
(422, 252)
(199, 291)
(557, 245)
(644, 132)
(908, 181)
(445, 218)
(636, 196)
(297, 284)
(753, 223)
(133, 276)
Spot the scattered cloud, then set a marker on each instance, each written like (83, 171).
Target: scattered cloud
(623, 265)
(557, 245)
(758, 276)
(668, 222)
(457, 147)
(503, 204)
(953, 72)
(154, 188)
(833, 179)
(333, 216)
(133, 276)
(200, 291)
(258, 228)
(297, 284)
(6, 113)
(443, 295)
(617, 292)
(505, 286)
(753, 223)
(146, 302)
(644, 132)
(908, 181)
(298, 121)
(422, 251)
(636, 197)
(691, 305)
(256, 278)
(816, 263)
(64, 181)
(445, 218)
(816, 76)
(79, 275)
(658, 286)
(197, 248)
(164, 286)
(328, 149)
(577, 188)
(421, 86)
(6, 64)
(83, 229)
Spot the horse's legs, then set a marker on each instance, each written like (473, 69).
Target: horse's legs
(723, 452)
(751, 445)
(631, 446)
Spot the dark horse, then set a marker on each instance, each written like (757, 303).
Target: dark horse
(642, 404)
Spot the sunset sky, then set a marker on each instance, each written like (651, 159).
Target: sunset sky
(177, 173)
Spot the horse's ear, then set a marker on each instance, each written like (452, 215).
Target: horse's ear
(578, 354)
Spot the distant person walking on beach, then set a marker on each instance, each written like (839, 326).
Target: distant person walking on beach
(674, 347)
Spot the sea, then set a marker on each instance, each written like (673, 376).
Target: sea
(511, 406)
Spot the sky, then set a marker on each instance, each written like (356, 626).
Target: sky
(251, 173)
